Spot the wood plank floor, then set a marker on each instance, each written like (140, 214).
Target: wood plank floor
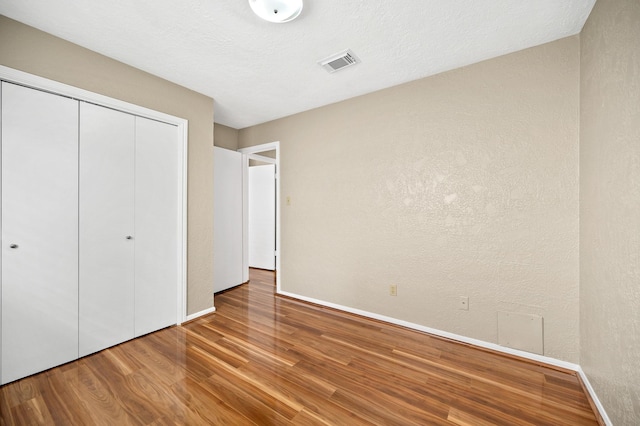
(267, 360)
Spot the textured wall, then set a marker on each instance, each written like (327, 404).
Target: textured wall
(33, 51)
(225, 137)
(610, 207)
(465, 183)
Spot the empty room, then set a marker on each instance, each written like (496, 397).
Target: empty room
(258, 212)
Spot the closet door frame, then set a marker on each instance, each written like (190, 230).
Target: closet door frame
(33, 81)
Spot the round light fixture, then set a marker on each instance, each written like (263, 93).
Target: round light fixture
(277, 11)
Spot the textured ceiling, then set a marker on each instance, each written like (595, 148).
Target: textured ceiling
(258, 71)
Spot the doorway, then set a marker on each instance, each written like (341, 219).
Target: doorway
(266, 156)
(262, 215)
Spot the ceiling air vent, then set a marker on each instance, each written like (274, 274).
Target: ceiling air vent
(339, 61)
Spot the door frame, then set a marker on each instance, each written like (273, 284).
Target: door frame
(40, 83)
(252, 153)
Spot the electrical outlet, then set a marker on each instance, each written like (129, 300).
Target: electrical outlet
(463, 303)
(393, 290)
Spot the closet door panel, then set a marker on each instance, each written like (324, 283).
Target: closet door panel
(39, 231)
(107, 235)
(158, 208)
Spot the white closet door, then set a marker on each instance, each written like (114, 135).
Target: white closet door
(158, 213)
(106, 227)
(262, 217)
(39, 231)
(227, 219)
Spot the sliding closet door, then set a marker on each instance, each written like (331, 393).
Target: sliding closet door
(39, 231)
(158, 213)
(107, 235)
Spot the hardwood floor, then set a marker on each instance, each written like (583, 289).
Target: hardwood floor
(265, 360)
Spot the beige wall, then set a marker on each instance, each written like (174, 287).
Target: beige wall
(225, 137)
(610, 207)
(460, 184)
(27, 49)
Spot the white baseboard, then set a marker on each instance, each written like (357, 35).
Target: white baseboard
(476, 342)
(594, 397)
(199, 314)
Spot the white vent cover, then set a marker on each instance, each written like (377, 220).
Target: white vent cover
(339, 61)
(521, 331)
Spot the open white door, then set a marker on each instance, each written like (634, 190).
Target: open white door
(262, 217)
(227, 219)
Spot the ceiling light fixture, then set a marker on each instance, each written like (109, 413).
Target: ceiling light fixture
(277, 11)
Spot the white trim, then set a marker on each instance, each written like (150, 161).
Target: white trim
(594, 397)
(262, 158)
(33, 81)
(249, 152)
(245, 218)
(445, 334)
(0, 231)
(199, 314)
(261, 148)
(182, 288)
(36, 82)
(476, 342)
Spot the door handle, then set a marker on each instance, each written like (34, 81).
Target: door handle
(129, 237)
(14, 246)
